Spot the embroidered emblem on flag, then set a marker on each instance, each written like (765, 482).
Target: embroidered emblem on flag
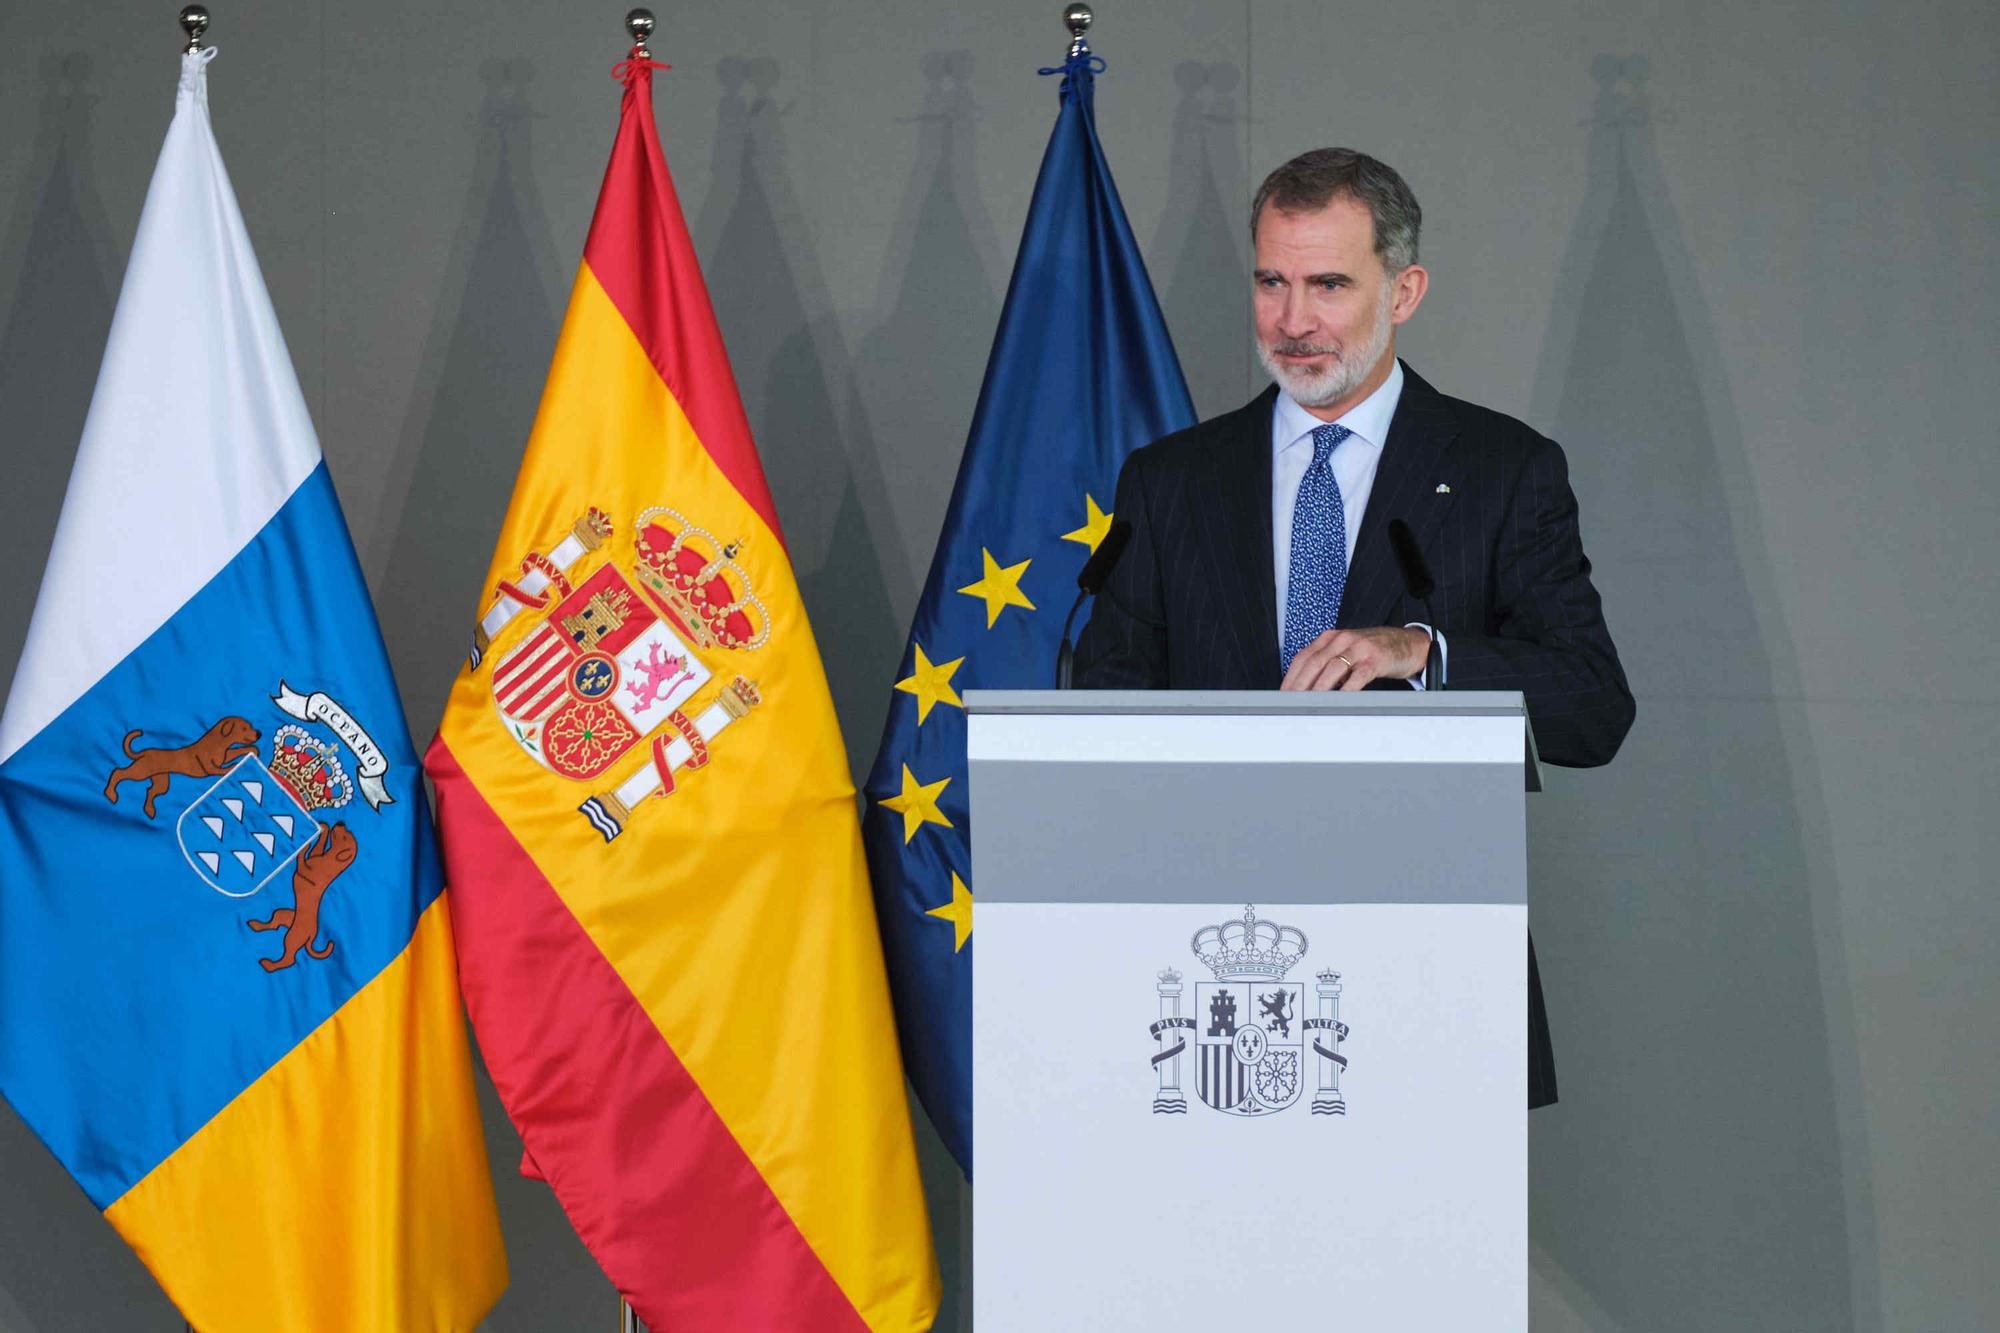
(625, 654)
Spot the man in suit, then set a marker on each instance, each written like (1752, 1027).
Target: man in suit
(1260, 554)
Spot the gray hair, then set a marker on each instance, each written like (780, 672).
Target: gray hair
(1311, 181)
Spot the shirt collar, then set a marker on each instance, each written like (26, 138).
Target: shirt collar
(1368, 418)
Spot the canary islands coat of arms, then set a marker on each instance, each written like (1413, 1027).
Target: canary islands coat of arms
(621, 679)
(1253, 1044)
(257, 818)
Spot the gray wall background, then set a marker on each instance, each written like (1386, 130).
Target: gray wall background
(1738, 259)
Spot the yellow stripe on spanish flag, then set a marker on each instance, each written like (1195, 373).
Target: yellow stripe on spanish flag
(666, 935)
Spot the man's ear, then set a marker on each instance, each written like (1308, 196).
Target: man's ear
(1408, 287)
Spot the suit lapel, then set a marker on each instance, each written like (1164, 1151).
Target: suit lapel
(1235, 520)
(1405, 487)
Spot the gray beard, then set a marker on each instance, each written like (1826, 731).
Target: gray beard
(1324, 388)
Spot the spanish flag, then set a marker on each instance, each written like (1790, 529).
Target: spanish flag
(666, 936)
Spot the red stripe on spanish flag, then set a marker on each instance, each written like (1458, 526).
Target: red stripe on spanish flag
(667, 942)
(641, 252)
(599, 1097)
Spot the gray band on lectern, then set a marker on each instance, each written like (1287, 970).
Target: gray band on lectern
(1224, 831)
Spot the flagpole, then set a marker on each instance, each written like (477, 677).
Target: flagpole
(194, 22)
(639, 25)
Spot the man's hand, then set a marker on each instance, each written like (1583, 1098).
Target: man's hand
(1347, 659)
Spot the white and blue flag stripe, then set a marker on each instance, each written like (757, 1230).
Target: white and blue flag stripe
(212, 827)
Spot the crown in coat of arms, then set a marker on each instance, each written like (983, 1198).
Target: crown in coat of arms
(696, 580)
(1249, 948)
(310, 769)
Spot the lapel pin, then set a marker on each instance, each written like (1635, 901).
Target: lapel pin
(1443, 489)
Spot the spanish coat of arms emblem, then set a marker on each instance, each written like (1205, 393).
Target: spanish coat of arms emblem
(624, 658)
(1254, 1045)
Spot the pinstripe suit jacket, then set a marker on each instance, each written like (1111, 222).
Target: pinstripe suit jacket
(1193, 603)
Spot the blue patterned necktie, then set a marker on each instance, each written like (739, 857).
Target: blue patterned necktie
(1318, 573)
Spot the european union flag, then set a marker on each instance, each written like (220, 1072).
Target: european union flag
(1082, 373)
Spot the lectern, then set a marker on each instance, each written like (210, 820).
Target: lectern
(1249, 1010)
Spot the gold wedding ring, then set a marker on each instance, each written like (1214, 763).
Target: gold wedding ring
(1343, 657)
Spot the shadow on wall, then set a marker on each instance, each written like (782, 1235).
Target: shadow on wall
(59, 272)
(1200, 260)
(923, 359)
(480, 381)
(792, 365)
(1692, 1175)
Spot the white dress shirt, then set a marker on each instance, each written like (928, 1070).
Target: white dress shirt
(1354, 462)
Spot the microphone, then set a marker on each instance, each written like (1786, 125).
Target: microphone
(1089, 581)
(1418, 585)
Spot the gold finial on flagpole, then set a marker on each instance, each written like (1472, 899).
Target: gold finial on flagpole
(640, 24)
(194, 22)
(1077, 18)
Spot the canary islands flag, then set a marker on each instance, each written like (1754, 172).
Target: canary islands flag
(228, 1002)
(1082, 372)
(667, 941)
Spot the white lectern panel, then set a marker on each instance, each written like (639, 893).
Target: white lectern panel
(1111, 1193)
(1249, 1009)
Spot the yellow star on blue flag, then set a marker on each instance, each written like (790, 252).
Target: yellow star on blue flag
(999, 586)
(1095, 524)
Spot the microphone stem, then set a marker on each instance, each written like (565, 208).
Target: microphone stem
(1066, 655)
